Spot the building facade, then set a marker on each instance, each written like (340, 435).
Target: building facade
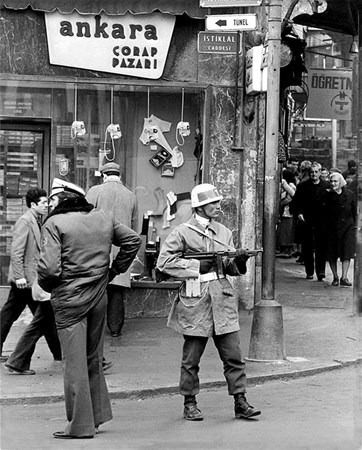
(87, 84)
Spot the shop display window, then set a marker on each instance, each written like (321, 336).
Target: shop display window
(153, 132)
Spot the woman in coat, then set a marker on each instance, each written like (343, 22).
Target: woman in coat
(341, 215)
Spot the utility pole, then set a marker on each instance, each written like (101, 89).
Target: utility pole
(267, 336)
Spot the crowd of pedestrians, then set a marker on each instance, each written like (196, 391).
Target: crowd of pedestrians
(67, 251)
(320, 207)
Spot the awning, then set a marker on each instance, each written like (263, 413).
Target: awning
(117, 7)
(341, 16)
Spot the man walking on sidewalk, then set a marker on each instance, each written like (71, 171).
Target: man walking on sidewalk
(308, 201)
(206, 305)
(121, 205)
(74, 267)
(24, 258)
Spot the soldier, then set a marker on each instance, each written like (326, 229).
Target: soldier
(206, 305)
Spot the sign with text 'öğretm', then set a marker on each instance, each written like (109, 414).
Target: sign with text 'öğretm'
(133, 45)
(218, 42)
(330, 94)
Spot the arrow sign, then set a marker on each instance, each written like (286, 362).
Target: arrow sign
(231, 22)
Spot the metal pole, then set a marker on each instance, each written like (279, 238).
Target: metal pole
(267, 337)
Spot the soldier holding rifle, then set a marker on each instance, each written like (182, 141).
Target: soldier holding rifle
(201, 253)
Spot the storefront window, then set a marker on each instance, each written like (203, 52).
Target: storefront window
(138, 127)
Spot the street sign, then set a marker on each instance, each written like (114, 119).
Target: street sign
(228, 3)
(218, 42)
(231, 22)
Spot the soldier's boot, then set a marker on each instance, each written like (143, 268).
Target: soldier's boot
(242, 408)
(191, 411)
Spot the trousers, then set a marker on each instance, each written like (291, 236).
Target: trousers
(43, 324)
(314, 249)
(15, 304)
(228, 346)
(115, 308)
(87, 403)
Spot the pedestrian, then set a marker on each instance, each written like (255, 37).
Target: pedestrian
(206, 305)
(121, 205)
(42, 324)
(304, 171)
(324, 174)
(285, 229)
(351, 173)
(24, 256)
(74, 267)
(308, 206)
(341, 217)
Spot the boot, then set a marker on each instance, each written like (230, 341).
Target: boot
(191, 411)
(242, 408)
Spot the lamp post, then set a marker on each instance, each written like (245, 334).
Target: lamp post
(267, 337)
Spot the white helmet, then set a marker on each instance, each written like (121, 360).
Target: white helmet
(202, 194)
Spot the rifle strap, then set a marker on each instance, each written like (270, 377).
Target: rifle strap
(192, 227)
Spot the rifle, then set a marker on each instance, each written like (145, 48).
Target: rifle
(217, 256)
(210, 255)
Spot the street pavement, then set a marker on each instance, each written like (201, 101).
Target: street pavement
(321, 333)
(319, 412)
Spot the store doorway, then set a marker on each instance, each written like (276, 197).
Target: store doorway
(24, 163)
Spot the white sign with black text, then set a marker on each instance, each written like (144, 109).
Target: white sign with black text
(133, 45)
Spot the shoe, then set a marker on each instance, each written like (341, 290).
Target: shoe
(242, 408)
(320, 277)
(300, 260)
(64, 435)
(309, 277)
(345, 282)
(192, 412)
(107, 365)
(3, 358)
(335, 282)
(116, 333)
(19, 372)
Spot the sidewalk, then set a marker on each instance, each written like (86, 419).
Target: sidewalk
(320, 334)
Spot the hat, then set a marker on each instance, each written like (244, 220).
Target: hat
(65, 186)
(110, 167)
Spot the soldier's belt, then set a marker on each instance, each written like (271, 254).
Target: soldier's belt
(210, 276)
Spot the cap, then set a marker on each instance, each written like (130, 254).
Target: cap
(110, 167)
(60, 185)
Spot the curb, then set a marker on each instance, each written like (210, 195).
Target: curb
(141, 394)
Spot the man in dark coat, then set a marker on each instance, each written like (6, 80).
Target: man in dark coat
(121, 205)
(74, 267)
(308, 208)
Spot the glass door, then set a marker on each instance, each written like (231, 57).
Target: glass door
(24, 164)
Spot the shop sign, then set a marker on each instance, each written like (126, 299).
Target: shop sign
(330, 94)
(228, 3)
(132, 45)
(231, 22)
(218, 42)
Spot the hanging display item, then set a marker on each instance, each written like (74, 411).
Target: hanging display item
(182, 128)
(153, 129)
(160, 158)
(78, 126)
(114, 132)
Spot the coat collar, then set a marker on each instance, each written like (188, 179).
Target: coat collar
(212, 225)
